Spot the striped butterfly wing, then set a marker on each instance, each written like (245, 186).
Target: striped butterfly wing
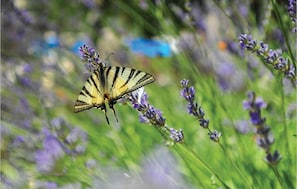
(122, 80)
(92, 94)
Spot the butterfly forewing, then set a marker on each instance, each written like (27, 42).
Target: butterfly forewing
(91, 94)
(121, 80)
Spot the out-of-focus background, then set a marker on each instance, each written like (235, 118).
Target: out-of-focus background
(45, 145)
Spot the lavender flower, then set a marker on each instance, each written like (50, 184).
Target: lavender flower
(189, 94)
(215, 136)
(24, 16)
(177, 136)
(274, 158)
(293, 13)
(194, 109)
(264, 136)
(149, 114)
(90, 56)
(269, 56)
(242, 126)
(72, 139)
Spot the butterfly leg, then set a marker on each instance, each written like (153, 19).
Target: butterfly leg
(111, 103)
(103, 108)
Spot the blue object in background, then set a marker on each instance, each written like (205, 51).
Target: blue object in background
(75, 47)
(149, 47)
(52, 41)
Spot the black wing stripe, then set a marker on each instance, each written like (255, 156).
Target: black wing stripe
(101, 76)
(86, 92)
(123, 69)
(93, 81)
(115, 76)
(129, 77)
(79, 102)
(137, 73)
(107, 72)
(145, 77)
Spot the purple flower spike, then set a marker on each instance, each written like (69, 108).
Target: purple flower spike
(188, 93)
(264, 136)
(90, 56)
(148, 114)
(269, 56)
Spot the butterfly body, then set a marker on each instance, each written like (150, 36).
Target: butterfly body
(108, 84)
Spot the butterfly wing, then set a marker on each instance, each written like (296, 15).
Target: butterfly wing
(92, 94)
(122, 80)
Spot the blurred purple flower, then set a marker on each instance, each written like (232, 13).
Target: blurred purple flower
(27, 68)
(264, 136)
(18, 140)
(253, 103)
(91, 163)
(51, 185)
(51, 152)
(89, 3)
(292, 10)
(73, 140)
(243, 10)
(24, 15)
(243, 127)
(160, 171)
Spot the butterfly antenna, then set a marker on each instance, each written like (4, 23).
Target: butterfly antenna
(104, 61)
(108, 56)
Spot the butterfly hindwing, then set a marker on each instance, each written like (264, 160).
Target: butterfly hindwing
(91, 94)
(122, 80)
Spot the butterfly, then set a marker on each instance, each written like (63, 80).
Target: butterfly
(108, 84)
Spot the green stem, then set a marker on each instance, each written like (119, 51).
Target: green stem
(276, 173)
(235, 166)
(193, 154)
(284, 31)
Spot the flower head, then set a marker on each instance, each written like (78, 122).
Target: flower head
(215, 135)
(269, 56)
(148, 113)
(273, 159)
(176, 136)
(90, 56)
